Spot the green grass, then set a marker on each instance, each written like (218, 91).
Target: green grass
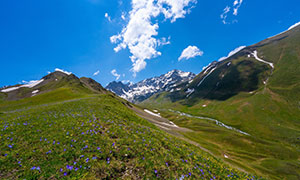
(270, 113)
(57, 95)
(273, 127)
(95, 137)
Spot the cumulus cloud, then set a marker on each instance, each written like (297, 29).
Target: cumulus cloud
(114, 73)
(231, 9)
(139, 35)
(107, 17)
(233, 52)
(190, 52)
(96, 73)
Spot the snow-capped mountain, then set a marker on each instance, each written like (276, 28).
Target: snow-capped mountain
(142, 90)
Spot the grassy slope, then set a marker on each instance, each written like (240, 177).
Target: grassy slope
(271, 114)
(93, 137)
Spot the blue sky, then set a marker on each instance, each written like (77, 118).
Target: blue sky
(74, 35)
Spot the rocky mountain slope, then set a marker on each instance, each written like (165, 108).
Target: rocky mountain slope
(142, 90)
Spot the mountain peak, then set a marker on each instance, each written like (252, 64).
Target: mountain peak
(50, 82)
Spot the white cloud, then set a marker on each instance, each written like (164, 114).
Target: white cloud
(190, 52)
(139, 35)
(123, 16)
(233, 52)
(114, 73)
(96, 73)
(234, 9)
(236, 5)
(224, 15)
(107, 17)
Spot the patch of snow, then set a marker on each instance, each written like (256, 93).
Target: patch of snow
(206, 77)
(9, 89)
(30, 84)
(293, 26)
(189, 92)
(60, 70)
(208, 68)
(261, 60)
(233, 52)
(225, 156)
(173, 124)
(229, 63)
(183, 74)
(35, 91)
(152, 113)
(204, 105)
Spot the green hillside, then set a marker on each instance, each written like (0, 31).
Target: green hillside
(251, 96)
(73, 132)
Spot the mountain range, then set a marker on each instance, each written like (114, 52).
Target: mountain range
(138, 92)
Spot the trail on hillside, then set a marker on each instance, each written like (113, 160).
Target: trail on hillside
(173, 129)
(167, 126)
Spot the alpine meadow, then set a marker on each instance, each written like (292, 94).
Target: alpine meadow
(150, 95)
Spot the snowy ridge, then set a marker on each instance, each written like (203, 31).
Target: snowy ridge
(233, 52)
(189, 92)
(290, 28)
(30, 84)
(293, 26)
(66, 72)
(146, 88)
(212, 70)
